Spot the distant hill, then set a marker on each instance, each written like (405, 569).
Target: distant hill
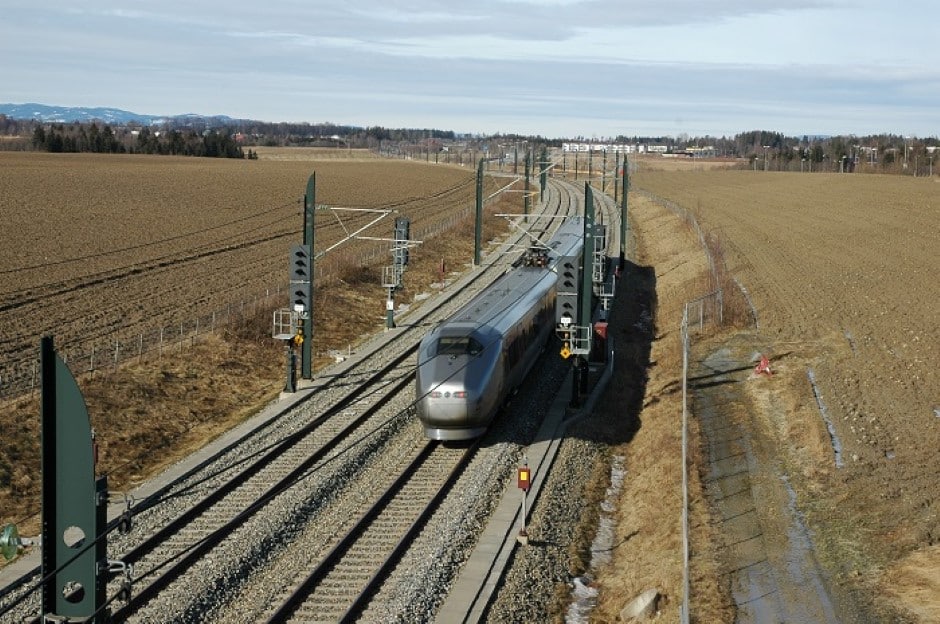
(111, 116)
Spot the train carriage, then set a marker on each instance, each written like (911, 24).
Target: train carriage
(471, 363)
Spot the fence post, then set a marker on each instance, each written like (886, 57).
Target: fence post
(181, 336)
(140, 347)
(684, 615)
(92, 363)
(117, 348)
(721, 308)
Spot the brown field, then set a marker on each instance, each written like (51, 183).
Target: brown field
(841, 271)
(104, 245)
(659, 163)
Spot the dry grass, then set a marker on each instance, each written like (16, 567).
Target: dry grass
(313, 154)
(914, 583)
(658, 163)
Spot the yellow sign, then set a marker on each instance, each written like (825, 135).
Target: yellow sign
(565, 352)
(298, 340)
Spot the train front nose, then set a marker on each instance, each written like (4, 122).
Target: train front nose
(450, 414)
(448, 382)
(449, 408)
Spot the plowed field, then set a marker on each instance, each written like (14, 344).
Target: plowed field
(842, 273)
(97, 248)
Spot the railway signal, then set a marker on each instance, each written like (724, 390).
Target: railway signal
(402, 234)
(524, 478)
(301, 279)
(564, 332)
(299, 316)
(566, 299)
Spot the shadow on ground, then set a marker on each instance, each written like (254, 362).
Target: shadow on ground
(616, 416)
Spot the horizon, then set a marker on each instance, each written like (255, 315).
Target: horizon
(582, 139)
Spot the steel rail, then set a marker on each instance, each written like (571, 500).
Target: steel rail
(307, 586)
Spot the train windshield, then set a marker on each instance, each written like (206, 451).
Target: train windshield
(458, 345)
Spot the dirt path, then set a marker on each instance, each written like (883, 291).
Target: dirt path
(768, 553)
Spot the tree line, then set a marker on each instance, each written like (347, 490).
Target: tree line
(206, 137)
(199, 136)
(104, 140)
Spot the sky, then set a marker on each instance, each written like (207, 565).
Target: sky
(595, 69)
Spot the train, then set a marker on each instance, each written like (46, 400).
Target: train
(472, 362)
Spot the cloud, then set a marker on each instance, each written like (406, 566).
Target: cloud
(553, 67)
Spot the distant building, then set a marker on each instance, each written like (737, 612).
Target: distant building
(702, 152)
(618, 148)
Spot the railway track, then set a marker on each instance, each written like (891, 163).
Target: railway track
(203, 527)
(340, 586)
(199, 514)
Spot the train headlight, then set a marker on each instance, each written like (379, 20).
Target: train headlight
(457, 394)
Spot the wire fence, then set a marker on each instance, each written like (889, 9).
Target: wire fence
(22, 377)
(154, 343)
(698, 315)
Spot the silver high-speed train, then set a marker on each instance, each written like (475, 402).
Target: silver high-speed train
(469, 364)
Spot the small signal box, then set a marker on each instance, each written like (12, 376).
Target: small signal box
(525, 478)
